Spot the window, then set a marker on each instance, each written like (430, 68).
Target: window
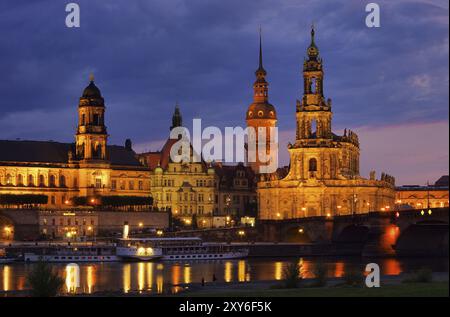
(113, 184)
(20, 180)
(141, 185)
(313, 165)
(98, 183)
(8, 179)
(62, 181)
(53, 200)
(41, 180)
(52, 181)
(131, 185)
(30, 180)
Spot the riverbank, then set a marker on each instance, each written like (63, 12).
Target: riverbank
(391, 286)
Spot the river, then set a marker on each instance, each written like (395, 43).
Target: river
(157, 276)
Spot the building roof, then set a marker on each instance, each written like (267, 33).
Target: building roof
(56, 152)
(227, 174)
(442, 181)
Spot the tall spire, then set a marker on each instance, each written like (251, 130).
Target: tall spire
(177, 119)
(260, 50)
(260, 72)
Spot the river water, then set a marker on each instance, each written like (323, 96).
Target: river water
(157, 276)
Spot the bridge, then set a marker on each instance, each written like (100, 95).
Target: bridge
(408, 232)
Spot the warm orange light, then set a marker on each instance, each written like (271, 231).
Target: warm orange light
(397, 214)
(429, 212)
(328, 215)
(300, 230)
(339, 207)
(141, 224)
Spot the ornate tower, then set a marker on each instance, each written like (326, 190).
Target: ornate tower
(260, 115)
(313, 112)
(91, 137)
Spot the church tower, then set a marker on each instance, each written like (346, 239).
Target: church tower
(260, 115)
(313, 112)
(91, 137)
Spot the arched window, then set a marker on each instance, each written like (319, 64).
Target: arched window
(62, 181)
(313, 165)
(41, 181)
(313, 127)
(30, 180)
(20, 180)
(52, 181)
(8, 179)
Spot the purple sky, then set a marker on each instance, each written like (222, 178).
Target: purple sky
(390, 85)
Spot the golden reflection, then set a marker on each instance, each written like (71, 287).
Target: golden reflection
(159, 284)
(187, 274)
(278, 270)
(141, 276)
(392, 267)
(228, 271)
(242, 276)
(176, 274)
(72, 277)
(149, 275)
(305, 268)
(160, 266)
(6, 278)
(126, 276)
(90, 278)
(339, 270)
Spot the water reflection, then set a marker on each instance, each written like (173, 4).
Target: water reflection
(157, 277)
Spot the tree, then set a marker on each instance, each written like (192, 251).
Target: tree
(43, 281)
(291, 275)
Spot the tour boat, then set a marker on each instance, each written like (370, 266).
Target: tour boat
(7, 260)
(72, 254)
(177, 249)
(137, 249)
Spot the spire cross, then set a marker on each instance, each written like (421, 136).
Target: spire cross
(91, 77)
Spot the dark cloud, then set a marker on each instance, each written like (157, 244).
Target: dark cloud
(146, 55)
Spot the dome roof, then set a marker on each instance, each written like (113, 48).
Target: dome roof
(91, 91)
(261, 111)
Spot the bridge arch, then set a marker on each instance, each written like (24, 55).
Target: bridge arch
(425, 238)
(353, 233)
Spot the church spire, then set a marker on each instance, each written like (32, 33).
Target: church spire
(177, 119)
(313, 50)
(260, 87)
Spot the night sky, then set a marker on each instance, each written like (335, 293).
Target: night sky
(388, 84)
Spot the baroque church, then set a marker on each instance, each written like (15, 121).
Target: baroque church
(87, 168)
(323, 177)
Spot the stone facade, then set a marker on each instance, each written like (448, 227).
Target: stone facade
(323, 177)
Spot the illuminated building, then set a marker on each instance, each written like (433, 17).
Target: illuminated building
(87, 168)
(419, 197)
(185, 188)
(323, 177)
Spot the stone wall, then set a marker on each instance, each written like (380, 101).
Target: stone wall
(113, 221)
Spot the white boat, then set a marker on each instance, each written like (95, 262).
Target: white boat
(177, 249)
(6, 260)
(72, 254)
